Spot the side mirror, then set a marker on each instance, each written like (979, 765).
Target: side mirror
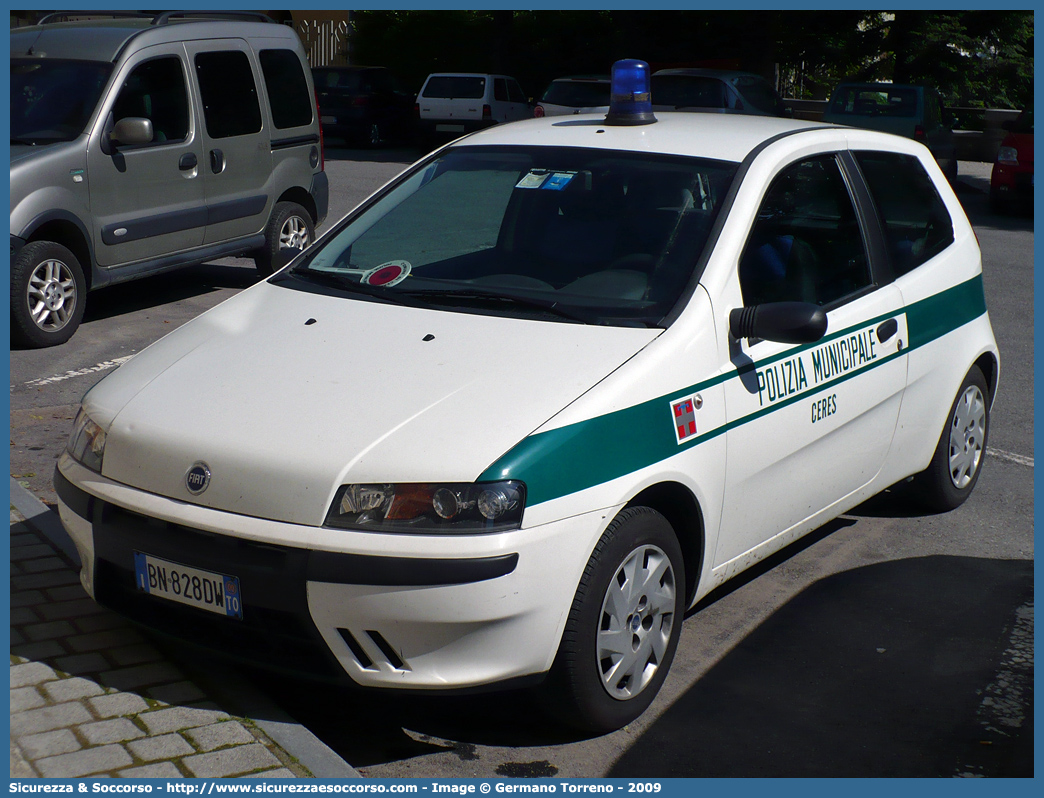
(132, 130)
(784, 322)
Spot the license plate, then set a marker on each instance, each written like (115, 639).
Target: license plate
(218, 593)
(449, 128)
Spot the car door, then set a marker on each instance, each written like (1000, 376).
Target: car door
(810, 424)
(147, 200)
(237, 154)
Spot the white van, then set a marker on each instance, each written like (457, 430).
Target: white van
(457, 103)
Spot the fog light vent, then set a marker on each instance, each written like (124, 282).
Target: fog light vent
(356, 650)
(393, 658)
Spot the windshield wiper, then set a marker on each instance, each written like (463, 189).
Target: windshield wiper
(342, 282)
(455, 296)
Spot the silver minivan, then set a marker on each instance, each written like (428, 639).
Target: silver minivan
(141, 143)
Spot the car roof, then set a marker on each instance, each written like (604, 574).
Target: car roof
(727, 137)
(584, 79)
(855, 84)
(347, 68)
(105, 39)
(724, 74)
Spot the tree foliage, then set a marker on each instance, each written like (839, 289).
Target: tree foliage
(973, 57)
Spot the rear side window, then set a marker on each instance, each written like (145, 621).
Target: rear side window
(230, 102)
(156, 90)
(500, 93)
(446, 87)
(916, 223)
(287, 88)
(516, 93)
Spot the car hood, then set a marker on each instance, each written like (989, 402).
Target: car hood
(23, 152)
(286, 395)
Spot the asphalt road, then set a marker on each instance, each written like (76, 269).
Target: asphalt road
(888, 643)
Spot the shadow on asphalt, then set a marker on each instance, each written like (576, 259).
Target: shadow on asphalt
(976, 204)
(163, 289)
(881, 671)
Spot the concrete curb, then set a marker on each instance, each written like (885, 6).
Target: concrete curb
(297, 741)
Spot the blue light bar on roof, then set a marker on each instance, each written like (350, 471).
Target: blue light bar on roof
(630, 101)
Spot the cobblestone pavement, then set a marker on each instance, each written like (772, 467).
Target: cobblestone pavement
(91, 696)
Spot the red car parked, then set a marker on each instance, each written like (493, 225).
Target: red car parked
(1011, 184)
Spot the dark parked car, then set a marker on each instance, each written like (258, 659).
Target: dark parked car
(1011, 184)
(363, 105)
(916, 112)
(722, 90)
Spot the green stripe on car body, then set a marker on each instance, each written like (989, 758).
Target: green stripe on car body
(581, 455)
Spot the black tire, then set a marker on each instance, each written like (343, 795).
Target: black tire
(959, 455)
(290, 229)
(48, 295)
(588, 688)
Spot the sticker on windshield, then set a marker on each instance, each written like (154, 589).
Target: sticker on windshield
(391, 273)
(558, 180)
(546, 179)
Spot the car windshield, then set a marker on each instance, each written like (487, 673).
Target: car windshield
(52, 99)
(876, 101)
(596, 236)
(577, 93)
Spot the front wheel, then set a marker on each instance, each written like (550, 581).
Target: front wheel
(623, 626)
(289, 231)
(48, 295)
(957, 462)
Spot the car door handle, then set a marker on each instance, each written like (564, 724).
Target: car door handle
(887, 329)
(187, 161)
(217, 161)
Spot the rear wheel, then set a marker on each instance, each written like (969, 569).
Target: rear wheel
(957, 461)
(623, 626)
(48, 295)
(289, 231)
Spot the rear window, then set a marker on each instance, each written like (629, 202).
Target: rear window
(876, 101)
(577, 94)
(448, 87)
(758, 93)
(688, 91)
(916, 222)
(287, 88)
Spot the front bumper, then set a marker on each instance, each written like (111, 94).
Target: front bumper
(385, 610)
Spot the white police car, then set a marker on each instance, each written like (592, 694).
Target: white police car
(539, 395)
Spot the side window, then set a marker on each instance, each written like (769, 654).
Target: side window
(286, 87)
(516, 93)
(226, 85)
(500, 92)
(806, 244)
(916, 223)
(156, 90)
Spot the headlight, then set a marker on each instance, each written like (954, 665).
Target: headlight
(87, 442)
(1008, 155)
(455, 508)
